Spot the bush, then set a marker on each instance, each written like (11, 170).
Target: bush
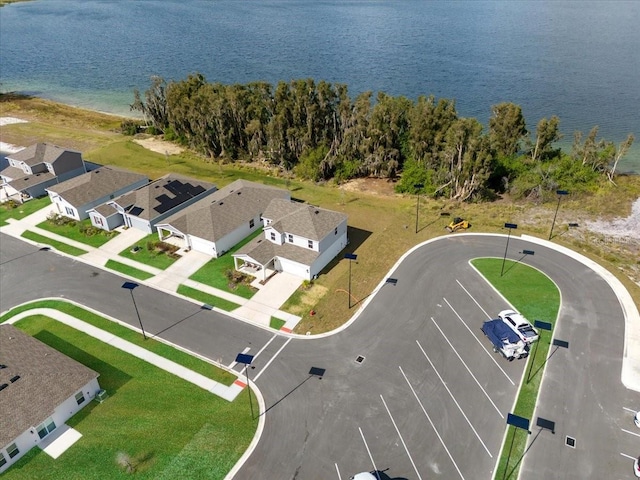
(60, 220)
(129, 127)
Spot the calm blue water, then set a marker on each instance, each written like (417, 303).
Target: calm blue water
(579, 60)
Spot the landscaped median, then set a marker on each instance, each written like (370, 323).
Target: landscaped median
(535, 296)
(161, 424)
(60, 246)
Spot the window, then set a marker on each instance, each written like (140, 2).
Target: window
(310, 243)
(46, 428)
(12, 450)
(290, 238)
(98, 221)
(69, 211)
(2, 460)
(80, 398)
(251, 223)
(335, 232)
(273, 236)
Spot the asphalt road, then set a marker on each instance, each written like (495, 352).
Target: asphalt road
(430, 398)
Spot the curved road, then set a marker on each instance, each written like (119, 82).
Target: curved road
(429, 397)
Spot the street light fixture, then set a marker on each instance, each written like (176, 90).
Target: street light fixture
(130, 286)
(560, 193)
(246, 359)
(418, 187)
(350, 257)
(510, 226)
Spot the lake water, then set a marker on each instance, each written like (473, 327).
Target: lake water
(579, 60)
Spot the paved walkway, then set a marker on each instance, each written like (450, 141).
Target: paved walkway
(258, 310)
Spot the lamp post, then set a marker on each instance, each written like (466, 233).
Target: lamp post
(130, 286)
(560, 194)
(510, 226)
(520, 423)
(246, 359)
(418, 187)
(350, 257)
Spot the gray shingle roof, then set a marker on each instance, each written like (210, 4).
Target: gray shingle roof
(12, 172)
(26, 181)
(301, 219)
(47, 378)
(98, 183)
(157, 197)
(222, 212)
(262, 250)
(39, 153)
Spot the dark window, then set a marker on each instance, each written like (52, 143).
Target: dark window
(310, 243)
(69, 210)
(251, 223)
(290, 237)
(12, 450)
(80, 398)
(273, 236)
(2, 459)
(335, 232)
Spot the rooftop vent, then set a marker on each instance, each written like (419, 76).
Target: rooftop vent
(2, 366)
(15, 379)
(3, 386)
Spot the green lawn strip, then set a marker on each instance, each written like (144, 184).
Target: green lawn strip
(535, 296)
(18, 211)
(207, 298)
(63, 247)
(159, 348)
(213, 273)
(276, 323)
(149, 257)
(163, 423)
(128, 270)
(73, 231)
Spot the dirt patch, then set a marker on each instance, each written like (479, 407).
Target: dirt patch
(159, 146)
(373, 186)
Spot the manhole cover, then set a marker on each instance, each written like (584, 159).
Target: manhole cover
(570, 441)
(359, 359)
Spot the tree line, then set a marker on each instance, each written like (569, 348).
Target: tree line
(318, 132)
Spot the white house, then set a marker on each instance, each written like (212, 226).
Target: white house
(76, 196)
(144, 207)
(218, 222)
(31, 170)
(40, 389)
(300, 239)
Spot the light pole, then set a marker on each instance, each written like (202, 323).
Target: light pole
(246, 359)
(560, 194)
(542, 326)
(130, 286)
(510, 226)
(520, 423)
(418, 187)
(350, 257)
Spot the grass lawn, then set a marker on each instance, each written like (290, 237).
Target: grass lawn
(213, 273)
(63, 247)
(169, 427)
(128, 270)
(159, 348)
(276, 323)
(74, 231)
(18, 211)
(206, 298)
(535, 296)
(153, 258)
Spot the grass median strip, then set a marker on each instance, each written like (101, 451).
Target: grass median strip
(161, 423)
(535, 296)
(207, 298)
(128, 270)
(60, 246)
(159, 348)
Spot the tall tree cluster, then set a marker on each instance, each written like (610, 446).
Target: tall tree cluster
(319, 132)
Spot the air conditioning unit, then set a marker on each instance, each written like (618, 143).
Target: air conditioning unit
(101, 395)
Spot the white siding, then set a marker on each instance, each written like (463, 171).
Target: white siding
(329, 254)
(294, 268)
(202, 245)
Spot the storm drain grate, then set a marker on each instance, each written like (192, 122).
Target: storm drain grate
(570, 441)
(359, 359)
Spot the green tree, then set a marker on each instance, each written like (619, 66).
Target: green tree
(547, 132)
(507, 129)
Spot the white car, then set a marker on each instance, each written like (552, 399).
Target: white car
(520, 325)
(636, 419)
(636, 467)
(364, 476)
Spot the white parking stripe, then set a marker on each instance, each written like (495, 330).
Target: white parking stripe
(627, 456)
(369, 452)
(454, 399)
(338, 470)
(432, 425)
(630, 409)
(479, 342)
(272, 359)
(474, 300)
(465, 366)
(234, 363)
(630, 433)
(401, 439)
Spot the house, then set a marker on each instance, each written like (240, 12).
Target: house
(215, 224)
(31, 170)
(145, 206)
(40, 389)
(300, 239)
(76, 196)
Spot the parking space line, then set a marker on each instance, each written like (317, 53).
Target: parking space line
(627, 456)
(454, 399)
(338, 470)
(479, 342)
(369, 452)
(474, 300)
(272, 359)
(630, 433)
(401, 439)
(234, 363)
(465, 366)
(629, 409)
(432, 425)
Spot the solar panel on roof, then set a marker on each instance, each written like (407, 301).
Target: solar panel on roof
(182, 192)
